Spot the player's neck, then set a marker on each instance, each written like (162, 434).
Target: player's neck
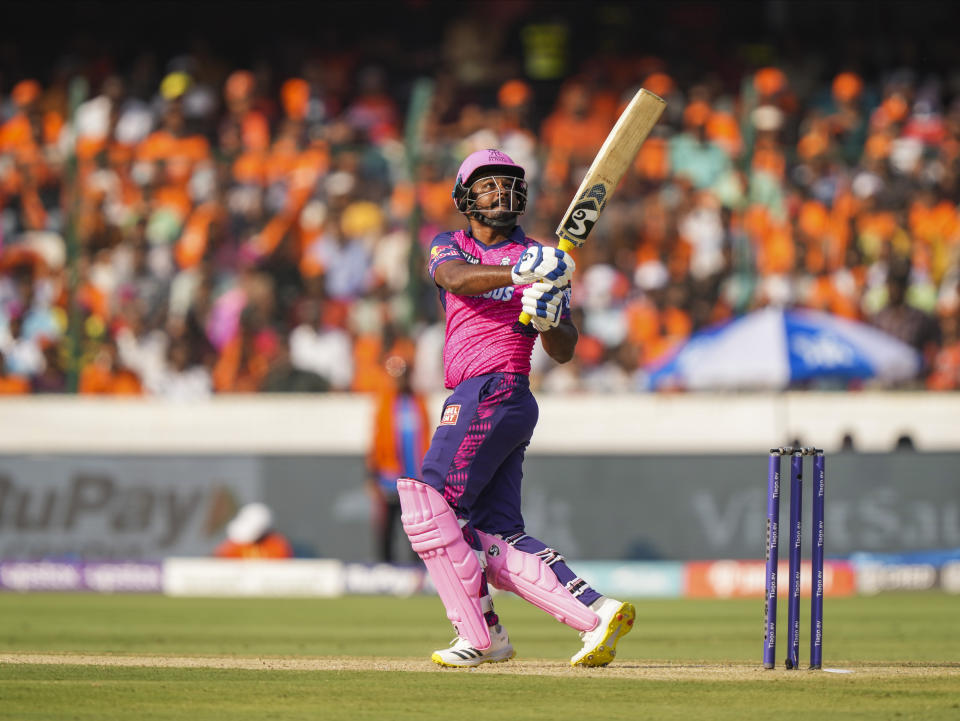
(488, 235)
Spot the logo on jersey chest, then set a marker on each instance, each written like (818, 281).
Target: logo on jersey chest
(450, 415)
(504, 294)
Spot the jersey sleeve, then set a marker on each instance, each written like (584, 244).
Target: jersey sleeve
(443, 249)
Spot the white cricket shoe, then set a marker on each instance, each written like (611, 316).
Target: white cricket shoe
(462, 654)
(600, 644)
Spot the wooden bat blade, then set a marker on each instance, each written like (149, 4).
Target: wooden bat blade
(615, 156)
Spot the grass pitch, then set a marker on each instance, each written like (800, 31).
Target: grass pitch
(149, 657)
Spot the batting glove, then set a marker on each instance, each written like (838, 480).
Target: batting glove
(541, 263)
(542, 302)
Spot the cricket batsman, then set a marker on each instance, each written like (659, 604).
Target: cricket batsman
(463, 516)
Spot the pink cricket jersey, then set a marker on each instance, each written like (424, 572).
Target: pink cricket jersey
(483, 333)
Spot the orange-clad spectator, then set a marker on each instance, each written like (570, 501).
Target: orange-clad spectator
(675, 321)
(771, 238)
(250, 535)
(848, 122)
(945, 373)
(844, 208)
(238, 92)
(170, 157)
(401, 435)
(935, 228)
(30, 125)
(571, 134)
(245, 359)
(297, 172)
(878, 232)
(106, 375)
(514, 94)
(892, 111)
(773, 89)
(768, 157)
(295, 98)
(815, 142)
(368, 350)
(813, 228)
(26, 138)
(655, 331)
(878, 146)
(847, 87)
(777, 251)
(643, 323)
(434, 199)
(823, 294)
(193, 241)
(723, 129)
(660, 84)
(768, 82)
(173, 150)
(653, 160)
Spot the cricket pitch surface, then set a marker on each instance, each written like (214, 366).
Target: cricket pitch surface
(652, 670)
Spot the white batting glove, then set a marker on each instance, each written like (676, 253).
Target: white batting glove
(540, 263)
(542, 302)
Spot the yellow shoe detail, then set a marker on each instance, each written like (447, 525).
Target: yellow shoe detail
(605, 644)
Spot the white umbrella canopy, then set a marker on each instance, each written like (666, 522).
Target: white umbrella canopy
(771, 349)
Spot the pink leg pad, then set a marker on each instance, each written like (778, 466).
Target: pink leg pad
(453, 566)
(530, 578)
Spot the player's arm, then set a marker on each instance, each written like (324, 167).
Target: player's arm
(560, 341)
(538, 264)
(462, 278)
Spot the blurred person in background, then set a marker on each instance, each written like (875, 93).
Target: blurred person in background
(945, 373)
(251, 535)
(904, 321)
(179, 377)
(320, 344)
(401, 436)
(106, 374)
(24, 354)
(12, 384)
(283, 377)
(468, 499)
(245, 359)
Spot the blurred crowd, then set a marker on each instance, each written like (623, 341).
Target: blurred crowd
(183, 228)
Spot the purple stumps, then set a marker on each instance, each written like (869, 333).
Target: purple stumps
(793, 602)
(795, 557)
(773, 553)
(816, 559)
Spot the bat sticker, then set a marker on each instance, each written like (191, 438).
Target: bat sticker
(581, 220)
(598, 191)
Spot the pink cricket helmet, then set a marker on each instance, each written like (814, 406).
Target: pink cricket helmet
(494, 162)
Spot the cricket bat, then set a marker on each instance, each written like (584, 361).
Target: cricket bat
(616, 154)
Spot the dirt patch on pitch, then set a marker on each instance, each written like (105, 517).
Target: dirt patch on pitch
(653, 670)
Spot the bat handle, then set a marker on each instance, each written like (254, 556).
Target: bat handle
(566, 246)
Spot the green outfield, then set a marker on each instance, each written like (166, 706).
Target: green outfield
(66, 656)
